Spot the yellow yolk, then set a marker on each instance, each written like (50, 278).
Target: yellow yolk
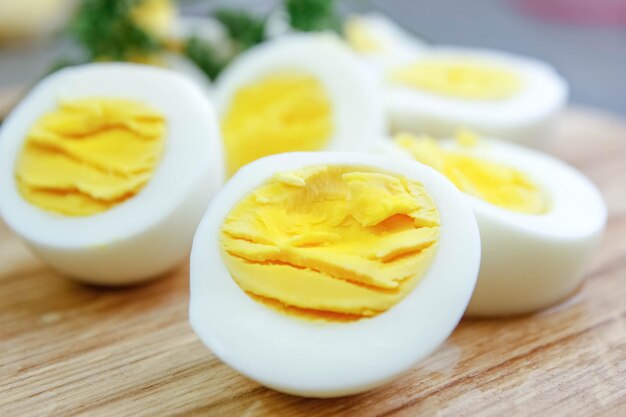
(495, 183)
(331, 243)
(359, 37)
(281, 113)
(467, 79)
(90, 155)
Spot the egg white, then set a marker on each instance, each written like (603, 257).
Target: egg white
(395, 41)
(147, 234)
(354, 96)
(312, 359)
(530, 262)
(526, 117)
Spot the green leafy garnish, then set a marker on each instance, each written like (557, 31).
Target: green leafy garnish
(245, 29)
(313, 15)
(204, 56)
(106, 29)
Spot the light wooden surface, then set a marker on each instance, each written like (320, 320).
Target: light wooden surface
(69, 349)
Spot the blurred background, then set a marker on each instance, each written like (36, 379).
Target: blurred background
(585, 40)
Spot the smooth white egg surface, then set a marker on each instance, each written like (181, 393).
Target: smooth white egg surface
(539, 231)
(321, 356)
(298, 92)
(495, 93)
(59, 172)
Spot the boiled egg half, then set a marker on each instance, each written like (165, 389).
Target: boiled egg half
(378, 39)
(327, 274)
(106, 169)
(298, 92)
(540, 220)
(494, 93)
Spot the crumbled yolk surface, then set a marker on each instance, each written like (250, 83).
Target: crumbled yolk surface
(331, 242)
(360, 37)
(280, 113)
(461, 78)
(495, 183)
(90, 155)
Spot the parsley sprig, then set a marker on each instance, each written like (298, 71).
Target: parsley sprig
(313, 15)
(244, 28)
(106, 30)
(204, 56)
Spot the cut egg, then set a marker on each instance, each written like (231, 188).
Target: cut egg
(299, 92)
(106, 169)
(327, 274)
(540, 220)
(494, 93)
(380, 39)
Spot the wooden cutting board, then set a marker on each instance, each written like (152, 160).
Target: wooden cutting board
(71, 349)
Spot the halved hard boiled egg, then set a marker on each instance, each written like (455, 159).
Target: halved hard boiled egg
(327, 274)
(378, 38)
(106, 169)
(299, 92)
(495, 93)
(540, 220)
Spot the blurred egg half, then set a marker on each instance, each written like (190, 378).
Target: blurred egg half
(299, 92)
(378, 39)
(497, 94)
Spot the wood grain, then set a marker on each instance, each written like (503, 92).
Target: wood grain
(70, 349)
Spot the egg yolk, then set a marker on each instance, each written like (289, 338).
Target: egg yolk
(359, 36)
(280, 113)
(90, 155)
(493, 182)
(331, 243)
(461, 78)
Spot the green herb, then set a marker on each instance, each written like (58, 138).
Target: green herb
(313, 15)
(106, 29)
(245, 29)
(204, 56)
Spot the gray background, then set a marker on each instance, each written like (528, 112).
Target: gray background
(592, 58)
